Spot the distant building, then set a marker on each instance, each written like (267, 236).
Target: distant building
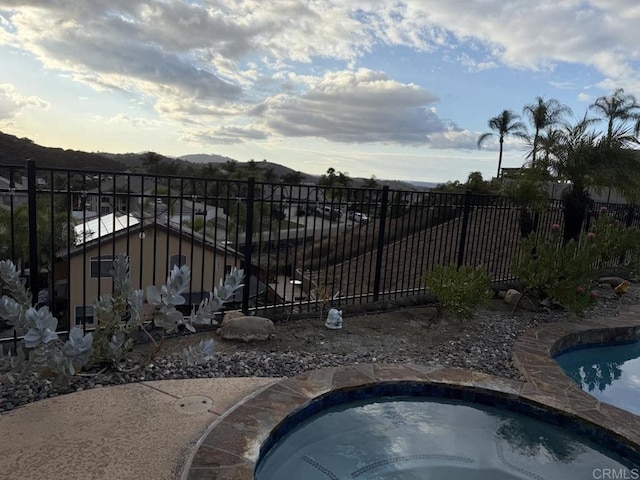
(82, 273)
(556, 189)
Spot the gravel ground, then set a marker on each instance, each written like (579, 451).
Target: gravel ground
(406, 335)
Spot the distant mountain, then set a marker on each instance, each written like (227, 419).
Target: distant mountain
(206, 158)
(405, 185)
(15, 151)
(425, 184)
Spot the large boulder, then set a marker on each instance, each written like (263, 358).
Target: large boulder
(247, 329)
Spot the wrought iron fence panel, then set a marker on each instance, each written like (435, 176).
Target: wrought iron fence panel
(304, 248)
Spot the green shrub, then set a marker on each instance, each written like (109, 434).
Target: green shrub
(459, 290)
(563, 273)
(617, 245)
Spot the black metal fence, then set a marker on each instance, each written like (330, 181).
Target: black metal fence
(301, 246)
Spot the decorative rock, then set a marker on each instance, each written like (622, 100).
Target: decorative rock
(512, 297)
(334, 319)
(612, 281)
(247, 329)
(231, 314)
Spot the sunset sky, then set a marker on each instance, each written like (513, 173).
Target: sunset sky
(395, 89)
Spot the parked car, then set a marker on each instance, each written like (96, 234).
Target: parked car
(327, 211)
(357, 217)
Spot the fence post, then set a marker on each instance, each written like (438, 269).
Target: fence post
(379, 252)
(33, 230)
(631, 210)
(464, 227)
(248, 246)
(630, 214)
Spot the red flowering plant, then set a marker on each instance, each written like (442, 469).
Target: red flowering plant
(561, 273)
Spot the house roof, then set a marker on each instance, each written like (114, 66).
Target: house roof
(102, 226)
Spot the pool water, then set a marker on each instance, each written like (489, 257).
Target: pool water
(411, 438)
(609, 373)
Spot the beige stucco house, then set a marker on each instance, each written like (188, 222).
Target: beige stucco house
(82, 273)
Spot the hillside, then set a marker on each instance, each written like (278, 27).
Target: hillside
(15, 151)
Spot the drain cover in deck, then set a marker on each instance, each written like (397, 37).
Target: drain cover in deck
(193, 404)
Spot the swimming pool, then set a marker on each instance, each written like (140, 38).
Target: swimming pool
(611, 373)
(411, 438)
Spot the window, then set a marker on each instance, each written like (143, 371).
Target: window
(227, 270)
(101, 266)
(177, 261)
(84, 314)
(62, 288)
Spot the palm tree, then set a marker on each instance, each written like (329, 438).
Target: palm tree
(543, 115)
(507, 123)
(617, 109)
(585, 158)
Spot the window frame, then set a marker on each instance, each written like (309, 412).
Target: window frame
(100, 260)
(78, 319)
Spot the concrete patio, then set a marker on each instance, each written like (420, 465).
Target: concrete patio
(139, 430)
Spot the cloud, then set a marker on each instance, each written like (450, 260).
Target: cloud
(360, 107)
(203, 61)
(224, 135)
(12, 103)
(454, 139)
(206, 34)
(125, 45)
(124, 119)
(585, 98)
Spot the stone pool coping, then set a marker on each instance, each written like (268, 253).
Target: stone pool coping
(231, 446)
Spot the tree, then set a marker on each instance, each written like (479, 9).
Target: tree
(328, 179)
(50, 237)
(371, 182)
(252, 166)
(528, 192)
(505, 124)
(475, 183)
(542, 115)
(585, 158)
(617, 109)
(293, 178)
(151, 162)
(332, 179)
(269, 175)
(229, 168)
(210, 171)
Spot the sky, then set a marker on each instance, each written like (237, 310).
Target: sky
(391, 88)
